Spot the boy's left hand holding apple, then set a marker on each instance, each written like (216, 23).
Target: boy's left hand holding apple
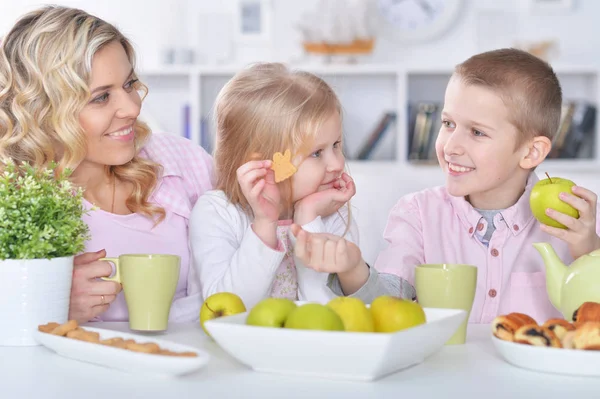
(328, 253)
(580, 233)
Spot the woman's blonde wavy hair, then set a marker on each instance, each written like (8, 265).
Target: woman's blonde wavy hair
(264, 109)
(45, 67)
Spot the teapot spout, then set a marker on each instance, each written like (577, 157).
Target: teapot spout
(555, 271)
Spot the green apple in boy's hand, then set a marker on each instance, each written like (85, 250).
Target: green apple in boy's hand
(270, 312)
(314, 316)
(545, 194)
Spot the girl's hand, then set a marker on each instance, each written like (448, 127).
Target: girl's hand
(90, 296)
(580, 233)
(257, 181)
(325, 252)
(326, 202)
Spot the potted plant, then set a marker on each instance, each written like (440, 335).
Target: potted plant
(41, 229)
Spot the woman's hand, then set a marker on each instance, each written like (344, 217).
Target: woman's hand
(326, 202)
(89, 296)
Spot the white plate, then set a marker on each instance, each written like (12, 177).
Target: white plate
(549, 360)
(126, 360)
(333, 354)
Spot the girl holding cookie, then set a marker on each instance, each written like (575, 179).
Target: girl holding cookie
(279, 159)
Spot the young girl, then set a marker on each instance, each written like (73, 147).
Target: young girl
(240, 232)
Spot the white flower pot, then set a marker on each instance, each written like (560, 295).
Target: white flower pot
(32, 292)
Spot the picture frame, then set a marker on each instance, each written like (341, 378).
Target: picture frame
(550, 6)
(253, 21)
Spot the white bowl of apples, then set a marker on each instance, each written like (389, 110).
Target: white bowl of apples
(334, 341)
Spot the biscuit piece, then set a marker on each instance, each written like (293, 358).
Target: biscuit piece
(282, 165)
(63, 329)
(166, 352)
(559, 326)
(116, 342)
(48, 328)
(587, 336)
(149, 347)
(588, 311)
(533, 334)
(504, 327)
(83, 335)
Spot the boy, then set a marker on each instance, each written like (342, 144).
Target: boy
(501, 110)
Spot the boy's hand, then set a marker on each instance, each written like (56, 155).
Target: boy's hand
(326, 202)
(325, 252)
(580, 233)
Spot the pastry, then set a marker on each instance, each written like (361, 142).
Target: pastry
(559, 326)
(587, 336)
(567, 340)
(533, 334)
(505, 326)
(588, 311)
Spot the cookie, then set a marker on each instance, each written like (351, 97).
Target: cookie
(48, 328)
(282, 166)
(63, 329)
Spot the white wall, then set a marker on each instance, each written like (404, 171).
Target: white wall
(148, 23)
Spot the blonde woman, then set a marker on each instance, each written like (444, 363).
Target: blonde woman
(69, 93)
(240, 232)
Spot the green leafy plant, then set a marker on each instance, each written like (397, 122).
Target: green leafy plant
(40, 213)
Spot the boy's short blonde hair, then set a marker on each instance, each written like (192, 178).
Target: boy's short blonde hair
(528, 86)
(264, 109)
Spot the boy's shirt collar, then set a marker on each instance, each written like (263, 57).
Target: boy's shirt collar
(516, 217)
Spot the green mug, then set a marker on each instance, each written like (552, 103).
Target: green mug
(448, 286)
(149, 283)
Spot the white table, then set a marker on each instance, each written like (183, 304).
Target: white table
(471, 370)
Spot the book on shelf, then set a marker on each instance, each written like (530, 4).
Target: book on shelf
(205, 135)
(575, 136)
(374, 141)
(424, 126)
(186, 122)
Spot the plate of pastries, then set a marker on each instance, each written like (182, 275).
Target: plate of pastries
(555, 346)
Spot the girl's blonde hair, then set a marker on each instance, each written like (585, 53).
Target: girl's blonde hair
(264, 109)
(45, 67)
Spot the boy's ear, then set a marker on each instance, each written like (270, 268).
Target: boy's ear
(535, 151)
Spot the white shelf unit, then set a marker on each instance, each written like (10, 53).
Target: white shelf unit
(366, 92)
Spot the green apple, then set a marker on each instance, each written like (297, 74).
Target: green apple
(270, 312)
(544, 194)
(354, 314)
(219, 305)
(314, 316)
(392, 314)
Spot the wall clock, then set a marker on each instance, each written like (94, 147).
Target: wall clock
(418, 20)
